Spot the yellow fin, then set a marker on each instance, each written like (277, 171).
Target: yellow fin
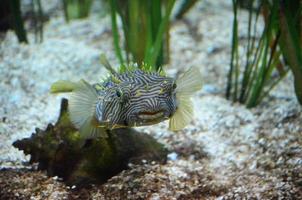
(62, 86)
(189, 83)
(90, 130)
(82, 105)
(183, 114)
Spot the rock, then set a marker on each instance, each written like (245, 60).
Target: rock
(60, 151)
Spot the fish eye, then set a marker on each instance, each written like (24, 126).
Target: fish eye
(119, 93)
(174, 86)
(122, 94)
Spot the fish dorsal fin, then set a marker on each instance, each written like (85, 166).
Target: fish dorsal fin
(187, 84)
(104, 61)
(182, 116)
(82, 106)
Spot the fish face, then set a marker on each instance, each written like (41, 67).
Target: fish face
(151, 104)
(140, 99)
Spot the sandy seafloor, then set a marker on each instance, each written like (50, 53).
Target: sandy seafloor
(227, 152)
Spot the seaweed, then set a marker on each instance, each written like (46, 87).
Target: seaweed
(18, 22)
(61, 152)
(76, 9)
(145, 29)
(268, 58)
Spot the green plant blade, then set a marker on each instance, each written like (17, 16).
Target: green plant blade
(18, 21)
(290, 46)
(115, 33)
(154, 51)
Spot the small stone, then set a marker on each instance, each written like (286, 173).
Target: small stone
(172, 156)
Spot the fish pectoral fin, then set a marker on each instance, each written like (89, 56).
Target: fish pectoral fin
(90, 130)
(183, 115)
(189, 82)
(82, 108)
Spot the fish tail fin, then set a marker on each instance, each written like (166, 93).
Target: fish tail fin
(63, 86)
(189, 83)
(104, 61)
(82, 105)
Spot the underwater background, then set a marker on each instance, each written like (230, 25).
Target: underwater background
(229, 151)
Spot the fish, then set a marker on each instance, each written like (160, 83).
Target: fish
(131, 96)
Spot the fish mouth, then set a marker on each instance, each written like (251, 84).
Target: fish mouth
(149, 116)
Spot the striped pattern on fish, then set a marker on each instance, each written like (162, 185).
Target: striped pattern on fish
(135, 97)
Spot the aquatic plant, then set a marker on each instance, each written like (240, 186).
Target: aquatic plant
(291, 42)
(18, 23)
(38, 18)
(185, 6)
(17, 20)
(76, 9)
(145, 27)
(264, 67)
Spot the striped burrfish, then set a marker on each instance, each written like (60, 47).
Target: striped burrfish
(132, 96)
